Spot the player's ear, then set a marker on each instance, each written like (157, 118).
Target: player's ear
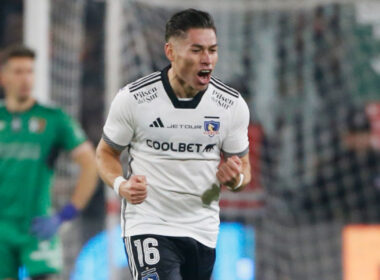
(169, 51)
(2, 75)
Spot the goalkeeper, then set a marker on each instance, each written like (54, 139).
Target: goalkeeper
(31, 136)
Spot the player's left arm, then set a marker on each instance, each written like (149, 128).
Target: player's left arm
(235, 172)
(45, 227)
(70, 138)
(82, 152)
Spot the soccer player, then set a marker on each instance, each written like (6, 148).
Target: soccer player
(31, 135)
(176, 123)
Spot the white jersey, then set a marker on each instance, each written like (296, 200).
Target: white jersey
(176, 145)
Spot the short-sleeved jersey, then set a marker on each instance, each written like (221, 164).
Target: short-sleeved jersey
(176, 144)
(29, 144)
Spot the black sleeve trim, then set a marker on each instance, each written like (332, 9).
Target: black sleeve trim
(145, 84)
(223, 87)
(241, 154)
(113, 144)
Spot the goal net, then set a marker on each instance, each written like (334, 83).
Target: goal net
(308, 70)
(66, 44)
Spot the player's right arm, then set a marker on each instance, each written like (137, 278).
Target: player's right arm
(109, 167)
(118, 132)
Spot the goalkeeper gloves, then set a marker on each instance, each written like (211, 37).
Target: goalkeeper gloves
(45, 227)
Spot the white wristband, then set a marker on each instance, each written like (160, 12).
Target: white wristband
(117, 183)
(240, 183)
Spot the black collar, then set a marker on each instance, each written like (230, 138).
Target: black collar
(179, 104)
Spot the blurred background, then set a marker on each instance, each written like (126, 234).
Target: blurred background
(309, 71)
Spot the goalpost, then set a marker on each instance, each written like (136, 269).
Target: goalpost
(36, 36)
(54, 29)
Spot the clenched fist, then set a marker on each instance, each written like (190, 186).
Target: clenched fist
(229, 172)
(134, 189)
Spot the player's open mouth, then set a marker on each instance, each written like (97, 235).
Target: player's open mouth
(204, 76)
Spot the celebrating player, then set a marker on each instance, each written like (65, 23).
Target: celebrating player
(176, 123)
(31, 135)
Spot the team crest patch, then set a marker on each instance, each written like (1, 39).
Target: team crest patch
(211, 128)
(153, 276)
(37, 125)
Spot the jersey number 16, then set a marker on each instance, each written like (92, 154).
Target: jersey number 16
(147, 251)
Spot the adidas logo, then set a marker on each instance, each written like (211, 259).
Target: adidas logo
(157, 123)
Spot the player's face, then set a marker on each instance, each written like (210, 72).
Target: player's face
(17, 78)
(194, 56)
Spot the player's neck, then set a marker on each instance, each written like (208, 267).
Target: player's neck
(181, 90)
(15, 105)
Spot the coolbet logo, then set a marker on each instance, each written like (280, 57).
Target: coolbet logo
(209, 148)
(179, 147)
(20, 151)
(174, 147)
(211, 128)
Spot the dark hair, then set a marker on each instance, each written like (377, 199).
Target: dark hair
(16, 51)
(182, 21)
